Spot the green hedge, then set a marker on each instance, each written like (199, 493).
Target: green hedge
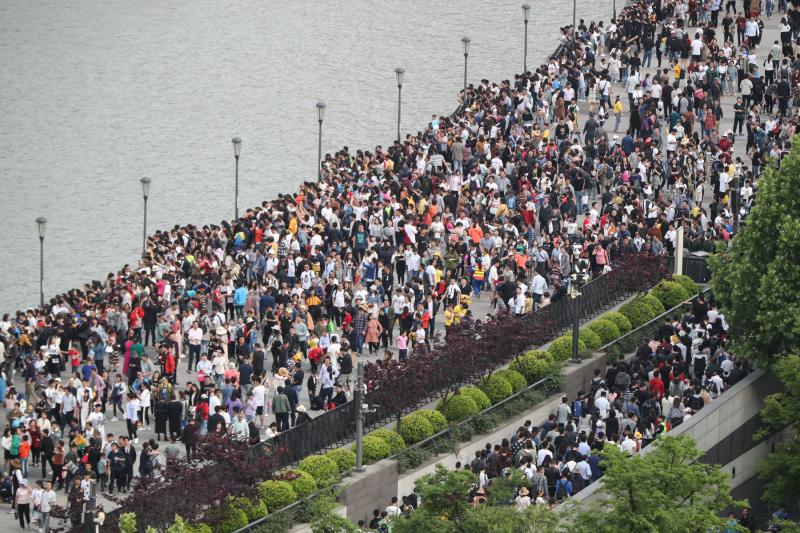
(670, 293)
(302, 482)
(533, 365)
(374, 449)
(232, 518)
(591, 339)
(276, 494)
(437, 419)
(605, 329)
(415, 427)
(638, 312)
(344, 459)
(561, 348)
(654, 303)
(477, 395)
(252, 509)
(323, 469)
(496, 388)
(458, 407)
(517, 380)
(392, 438)
(622, 322)
(687, 283)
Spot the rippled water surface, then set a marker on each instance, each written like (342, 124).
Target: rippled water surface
(95, 94)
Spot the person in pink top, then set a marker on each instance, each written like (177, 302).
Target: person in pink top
(402, 345)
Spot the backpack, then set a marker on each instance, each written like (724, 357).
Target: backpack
(561, 490)
(577, 408)
(597, 384)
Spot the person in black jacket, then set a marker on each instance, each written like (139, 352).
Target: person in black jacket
(48, 447)
(118, 460)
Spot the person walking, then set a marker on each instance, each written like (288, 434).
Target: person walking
(281, 408)
(23, 502)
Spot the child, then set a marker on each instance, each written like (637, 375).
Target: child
(402, 345)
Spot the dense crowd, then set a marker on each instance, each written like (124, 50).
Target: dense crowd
(227, 328)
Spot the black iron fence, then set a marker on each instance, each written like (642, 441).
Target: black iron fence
(694, 266)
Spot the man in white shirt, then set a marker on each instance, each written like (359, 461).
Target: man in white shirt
(538, 287)
(517, 303)
(602, 404)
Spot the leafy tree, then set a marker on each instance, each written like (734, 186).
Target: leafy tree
(664, 490)
(782, 410)
(488, 519)
(757, 281)
(444, 493)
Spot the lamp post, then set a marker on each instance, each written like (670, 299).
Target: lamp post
(321, 117)
(400, 72)
(578, 279)
(145, 193)
(526, 10)
(41, 224)
(237, 150)
(614, 10)
(574, 11)
(466, 41)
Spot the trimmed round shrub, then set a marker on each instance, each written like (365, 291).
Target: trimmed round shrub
(437, 419)
(374, 450)
(323, 469)
(392, 438)
(458, 407)
(517, 380)
(276, 494)
(480, 398)
(496, 388)
(345, 459)
(302, 482)
(233, 518)
(561, 348)
(620, 320)
(252, 509)
(591, 339)
(416, 428)
(654, 303)
(199, 528)
(687, 283)
(605, 329)
(533, 365)
(670, 293)
(638, 312)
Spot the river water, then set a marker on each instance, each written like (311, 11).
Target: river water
(96, 94)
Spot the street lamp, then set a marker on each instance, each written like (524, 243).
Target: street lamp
(578, 278)
(466, 41)
(574, 11)
(526, 10)
(145, 193)
(41, 224)
(400, 75)
(237, 150)
(321, 117)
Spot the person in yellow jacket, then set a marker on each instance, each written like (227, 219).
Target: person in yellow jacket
(617, 113)
(477, 278)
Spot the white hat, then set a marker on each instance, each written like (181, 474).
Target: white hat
(301, 408)
(221, 331)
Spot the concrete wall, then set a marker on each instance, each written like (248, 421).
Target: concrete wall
(371, 489)
(579, 377)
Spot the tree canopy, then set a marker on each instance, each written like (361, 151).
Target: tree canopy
(757, 282)
(664, 490)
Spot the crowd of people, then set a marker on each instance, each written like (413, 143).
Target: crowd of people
(245, 327)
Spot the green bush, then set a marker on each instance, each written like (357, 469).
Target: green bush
(517, 380)
(605, 329)
(687, 283)
(533, 365)
(374, 449)
(670, 293)
(232, 518)
(323, 469)
(620, 320)
(478, 396)
(199, 528)
(496, 388)
(392, 438)
(437, 419)
(344, 459)
(561, 348)
(654, 303)
(458, 407)
(252, 509)
(638, 311)
(276, 494)
(302, 482)
(591, 339)
(416, 428)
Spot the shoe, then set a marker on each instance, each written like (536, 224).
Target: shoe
(114, 419)
(136, 440)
